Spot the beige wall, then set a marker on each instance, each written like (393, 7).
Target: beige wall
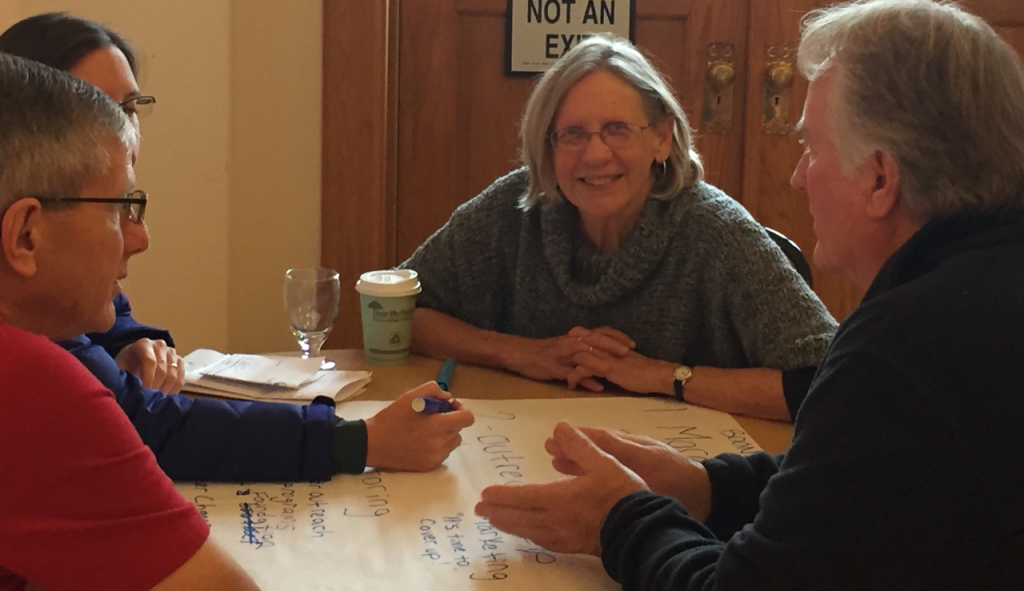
(275, 163)
(231, 159)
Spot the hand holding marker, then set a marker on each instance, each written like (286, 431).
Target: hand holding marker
(430, 406)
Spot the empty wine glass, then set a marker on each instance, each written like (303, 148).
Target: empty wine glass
(311, 298)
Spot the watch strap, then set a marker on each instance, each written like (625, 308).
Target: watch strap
(680, 384)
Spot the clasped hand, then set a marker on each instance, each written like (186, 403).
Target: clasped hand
(583, 355)
(155, 363)
(558, 358)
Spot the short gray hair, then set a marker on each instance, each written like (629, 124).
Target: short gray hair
(55, 131)
(932, 86)
(619, 57)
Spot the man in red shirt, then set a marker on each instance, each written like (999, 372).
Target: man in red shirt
(84, 504)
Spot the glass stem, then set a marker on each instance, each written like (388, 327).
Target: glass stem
(315, 342)
(303, 340)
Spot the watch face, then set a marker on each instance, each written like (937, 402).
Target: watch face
(682, 373)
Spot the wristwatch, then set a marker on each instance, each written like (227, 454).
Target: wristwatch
(680, 375)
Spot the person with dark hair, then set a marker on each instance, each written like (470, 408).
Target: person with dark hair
(102, 57)
(84, 504)
(61, 40)
(213, 439)
(902, 473)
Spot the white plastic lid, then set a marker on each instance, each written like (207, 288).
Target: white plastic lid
(392, 283)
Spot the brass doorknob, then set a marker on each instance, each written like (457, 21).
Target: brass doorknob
(719, 80)
(721, 74)
(780, 75)
(778, 84)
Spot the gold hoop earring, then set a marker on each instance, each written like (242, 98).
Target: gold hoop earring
(661, 169)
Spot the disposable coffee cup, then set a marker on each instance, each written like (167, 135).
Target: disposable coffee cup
(387, 300)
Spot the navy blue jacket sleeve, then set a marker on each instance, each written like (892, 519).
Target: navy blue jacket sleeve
(210, 439)
(126, 330)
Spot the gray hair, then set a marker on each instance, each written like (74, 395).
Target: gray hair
(617, 56)
(55, 131)
(932, 86)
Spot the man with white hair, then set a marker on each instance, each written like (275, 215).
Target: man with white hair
(901, 472)
(83, 503)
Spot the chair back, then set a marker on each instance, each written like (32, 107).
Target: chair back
(793, 253)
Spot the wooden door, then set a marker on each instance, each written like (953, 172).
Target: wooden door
(771, 151)
(459, 114)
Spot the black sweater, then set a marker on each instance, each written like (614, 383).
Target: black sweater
(903, 471)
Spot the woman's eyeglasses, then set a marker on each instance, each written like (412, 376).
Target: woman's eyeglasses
(614, 134)
(138, 106)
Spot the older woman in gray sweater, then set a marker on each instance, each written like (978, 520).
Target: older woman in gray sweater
(608, 259)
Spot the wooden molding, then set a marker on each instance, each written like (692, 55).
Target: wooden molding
(360, 73)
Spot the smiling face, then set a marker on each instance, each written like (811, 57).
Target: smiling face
(606, 185)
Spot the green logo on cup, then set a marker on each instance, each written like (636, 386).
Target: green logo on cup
(382, 315)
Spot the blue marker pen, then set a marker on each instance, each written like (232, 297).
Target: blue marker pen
(444, 379)
(431, 406)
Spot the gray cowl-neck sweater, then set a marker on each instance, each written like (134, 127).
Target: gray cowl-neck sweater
(696, 281)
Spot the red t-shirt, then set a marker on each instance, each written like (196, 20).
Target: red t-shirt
(83, 504)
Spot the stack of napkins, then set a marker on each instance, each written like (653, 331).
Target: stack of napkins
(260, 377)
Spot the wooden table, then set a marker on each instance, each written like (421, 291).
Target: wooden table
(490, 384)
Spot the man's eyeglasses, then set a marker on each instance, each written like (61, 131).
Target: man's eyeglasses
(138, 106)
(133, 204)
(614, 134)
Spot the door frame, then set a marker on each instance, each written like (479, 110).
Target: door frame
(360, 148)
